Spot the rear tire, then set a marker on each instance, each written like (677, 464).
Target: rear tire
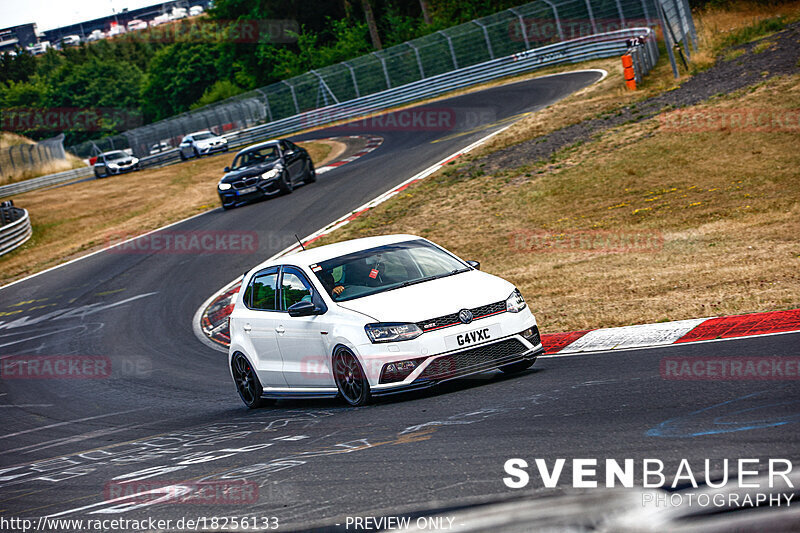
(350, 378)
(183, 157)
(247, 383)
(519, 366)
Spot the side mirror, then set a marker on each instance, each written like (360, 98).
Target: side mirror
(303, 308)
(226, 169)
(474, 264)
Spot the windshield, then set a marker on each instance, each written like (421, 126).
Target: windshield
(385, 267)
(254, 157)
(203, 136)
(114, 156)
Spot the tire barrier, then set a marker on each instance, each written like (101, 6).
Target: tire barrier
(15, 227)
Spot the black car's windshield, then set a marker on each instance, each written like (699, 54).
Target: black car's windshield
(385, 267)
(114, 156)
(203, 136)
(255, 157)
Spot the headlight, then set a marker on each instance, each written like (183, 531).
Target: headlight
(515, 303)
(113, 165)
(224, 186)
(269, 174)
(392, 332)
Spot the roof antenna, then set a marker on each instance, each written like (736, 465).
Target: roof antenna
(301, 242)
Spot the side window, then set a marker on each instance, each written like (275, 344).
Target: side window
(294, 289)
(261, 293)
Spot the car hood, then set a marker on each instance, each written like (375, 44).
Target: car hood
(247, 172)
(432, 299)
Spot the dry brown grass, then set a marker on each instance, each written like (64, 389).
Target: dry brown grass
(67, 225)
(716, 25)
(8, 139)
(727, 204)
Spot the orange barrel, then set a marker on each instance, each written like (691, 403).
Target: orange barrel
(627, 61)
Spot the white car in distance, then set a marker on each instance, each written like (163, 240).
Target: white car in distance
(202, 143)
(137, 24)
(371, 317)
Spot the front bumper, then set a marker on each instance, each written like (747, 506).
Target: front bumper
(211, 149)
(445, 368)
(444, 364)
(264, 188)
(122, 170)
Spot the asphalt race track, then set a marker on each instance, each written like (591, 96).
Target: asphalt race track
(168, 413)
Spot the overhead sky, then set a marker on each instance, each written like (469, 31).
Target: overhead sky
(49, 14)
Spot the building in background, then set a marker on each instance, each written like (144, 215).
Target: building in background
(15, 37)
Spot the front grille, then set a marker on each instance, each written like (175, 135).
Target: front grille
(452, 318)
(474, 359)
(247, 182)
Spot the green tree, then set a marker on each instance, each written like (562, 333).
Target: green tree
(178, 76)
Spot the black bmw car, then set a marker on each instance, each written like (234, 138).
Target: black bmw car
(264, 170)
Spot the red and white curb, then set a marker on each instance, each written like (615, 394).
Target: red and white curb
(373, 142)
(668, 333)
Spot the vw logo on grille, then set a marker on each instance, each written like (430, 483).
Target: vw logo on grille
(465, 316)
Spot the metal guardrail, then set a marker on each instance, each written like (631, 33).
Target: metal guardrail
(45, 181)
(15, 228)
(572, 51)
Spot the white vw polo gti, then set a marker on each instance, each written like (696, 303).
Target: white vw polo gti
(371, 317)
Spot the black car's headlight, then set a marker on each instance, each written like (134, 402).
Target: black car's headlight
(515, 302)
(224, 186)
(271, 173)
(392, 332)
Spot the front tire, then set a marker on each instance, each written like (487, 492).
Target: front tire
(311, 174)
(350, 378)
(247, 383)
(286, 185)
(517, 367)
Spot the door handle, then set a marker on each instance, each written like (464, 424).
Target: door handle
(281, 330)
(247, 327)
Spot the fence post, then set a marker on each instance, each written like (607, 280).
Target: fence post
(646, 12)
(385, 72)
(353, 76)
(522, 27)
(419, 61)
(621, 14)
(294, 96)
(266, 103)
(486, 36)
(452, 50)
(667, 42)
(558, 20)
(591, 15)
(692, 28)
(325, 85)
